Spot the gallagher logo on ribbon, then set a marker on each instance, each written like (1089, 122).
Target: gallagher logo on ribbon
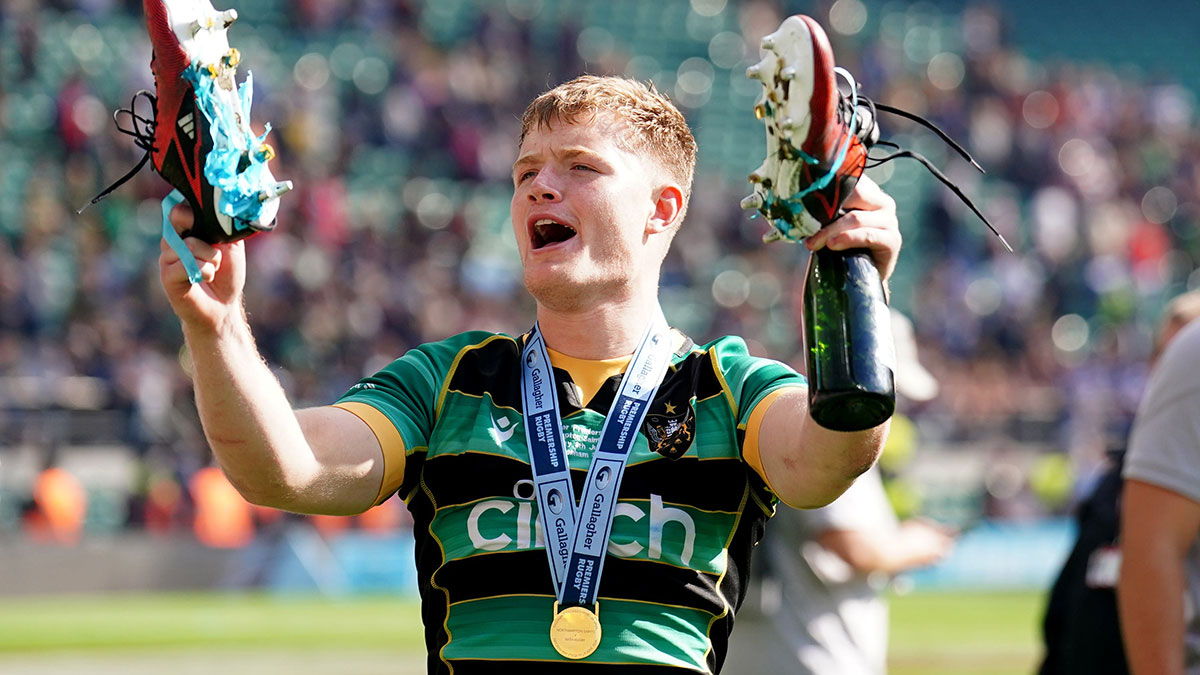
(554, 500)
(603, 476)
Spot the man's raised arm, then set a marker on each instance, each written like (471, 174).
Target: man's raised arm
(806, 464)
(318, 460)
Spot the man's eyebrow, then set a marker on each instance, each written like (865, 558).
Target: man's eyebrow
(523, 160)
(585, 153)
(566, 153)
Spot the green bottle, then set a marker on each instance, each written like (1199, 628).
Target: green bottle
(848, 342)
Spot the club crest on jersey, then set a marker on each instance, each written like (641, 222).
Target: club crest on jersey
(670, 429)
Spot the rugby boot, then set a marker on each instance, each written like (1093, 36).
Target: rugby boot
(198, 137)
(818, 138)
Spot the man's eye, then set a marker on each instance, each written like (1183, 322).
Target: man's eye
(525, 175)
(582, 167)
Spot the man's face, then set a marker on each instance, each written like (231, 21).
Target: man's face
(580, 209)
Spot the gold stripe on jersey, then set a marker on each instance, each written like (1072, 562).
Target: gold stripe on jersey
(750, 450)
(389, 439)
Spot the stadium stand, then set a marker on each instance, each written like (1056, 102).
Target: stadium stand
(397, 121)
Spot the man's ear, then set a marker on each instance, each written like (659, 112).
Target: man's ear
(668, 208)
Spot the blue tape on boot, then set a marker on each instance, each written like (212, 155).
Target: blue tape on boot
(241, 182)
(175, 241)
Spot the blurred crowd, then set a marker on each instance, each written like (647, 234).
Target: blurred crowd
(397, 122)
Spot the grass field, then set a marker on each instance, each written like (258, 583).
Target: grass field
(932, 634)
(959, 633)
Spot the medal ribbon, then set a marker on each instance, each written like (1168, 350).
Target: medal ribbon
(547, 454)
(576, 538)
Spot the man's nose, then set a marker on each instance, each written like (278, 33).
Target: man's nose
(543, 187)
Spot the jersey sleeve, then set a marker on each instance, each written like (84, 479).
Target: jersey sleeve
(1164, 445)
(752, 384)
(400, 403)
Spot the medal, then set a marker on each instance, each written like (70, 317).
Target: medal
(577, 538)
(575, 631)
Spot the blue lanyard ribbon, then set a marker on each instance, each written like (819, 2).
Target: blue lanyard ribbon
(175, 241)
(576, 537)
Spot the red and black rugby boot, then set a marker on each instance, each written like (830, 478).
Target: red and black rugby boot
(198, 137)
(818, 138)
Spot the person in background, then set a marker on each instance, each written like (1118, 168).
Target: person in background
(1158, 591)
(223, 519)
(58, 509)
(824, 570)
(1081, 632)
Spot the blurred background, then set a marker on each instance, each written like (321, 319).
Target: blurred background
(397, 122)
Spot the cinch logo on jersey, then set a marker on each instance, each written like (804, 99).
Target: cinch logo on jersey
(495, 525)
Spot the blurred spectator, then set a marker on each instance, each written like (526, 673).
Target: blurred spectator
(1081, 630)
(329, 526)
(384, 518)
(825, 570)
(223, 519)
(59, 507)
(162, 505)
(1159, 587)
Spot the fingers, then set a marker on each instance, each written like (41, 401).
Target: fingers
(930, 541)
(876, 230)
(208, 258)
(869, 222)
(868, 196)
(942, 528)
(182, 218)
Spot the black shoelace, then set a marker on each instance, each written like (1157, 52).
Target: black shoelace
(142, 131)
(873, 161)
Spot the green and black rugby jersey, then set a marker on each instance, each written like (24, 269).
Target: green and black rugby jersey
(691, 506)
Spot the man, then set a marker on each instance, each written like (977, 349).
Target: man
(473, 431)
(1158, 591)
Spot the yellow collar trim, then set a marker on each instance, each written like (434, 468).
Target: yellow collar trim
(589, 375)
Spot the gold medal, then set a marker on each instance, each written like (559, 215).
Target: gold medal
(575, 631)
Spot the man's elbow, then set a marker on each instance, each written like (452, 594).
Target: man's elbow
(818, 465)
(814, 496)
(271, 494)
(815, 493)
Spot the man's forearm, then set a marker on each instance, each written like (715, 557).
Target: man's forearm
(1158, 527)
(915, 543)
(246, 416)
(1151, 601)
(806, 464)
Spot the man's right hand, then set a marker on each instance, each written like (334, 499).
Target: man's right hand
(214, 302)
(926, 542)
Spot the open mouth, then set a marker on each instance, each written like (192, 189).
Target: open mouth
(546, 232)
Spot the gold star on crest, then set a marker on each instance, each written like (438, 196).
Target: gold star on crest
(670, 409)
